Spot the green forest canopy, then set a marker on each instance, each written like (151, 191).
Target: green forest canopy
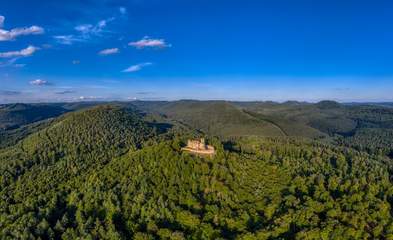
(114, 172)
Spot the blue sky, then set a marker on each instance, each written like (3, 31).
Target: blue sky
(181, 49)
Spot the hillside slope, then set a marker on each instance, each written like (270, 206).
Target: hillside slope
(216, 118)
(97, 133)
(71, 146)
(15, 115)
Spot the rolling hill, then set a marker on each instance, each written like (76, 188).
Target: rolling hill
(73, 142)
(216, 118)
(325, 119)
(16, 115)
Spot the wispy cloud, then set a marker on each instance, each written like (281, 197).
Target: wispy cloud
(13, 56)
(89, 98)
(2, 18)
(11, 63)
(18, 65)
(108, 51)
(30, 50)
(40, 82)
(67, 39)
(65, 92)
(10, 93)
(341, 89)
(148, 42)
(137, 67)
(88, 30)
(76, 62)
(8, 35)
(144, 93)
(83, 32)
(46, 46)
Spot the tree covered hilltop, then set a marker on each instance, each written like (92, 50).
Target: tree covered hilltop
(117, 171)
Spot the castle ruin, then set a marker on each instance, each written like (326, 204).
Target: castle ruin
(199, 146)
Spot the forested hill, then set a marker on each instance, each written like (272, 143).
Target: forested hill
(94, 135)
(223, 118)
(116, 171)
(16, 115)
(217, 118)
(35, 171)
(363, 126)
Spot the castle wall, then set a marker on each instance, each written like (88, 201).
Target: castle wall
(196, 144)
(199, 147)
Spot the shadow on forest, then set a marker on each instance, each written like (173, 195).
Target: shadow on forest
(231, 146)
(160, 127)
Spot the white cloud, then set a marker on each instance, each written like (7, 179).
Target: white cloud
(39, 82)
(22, 53)
(13, 56)
(148, 42)
(137, 67)
(8, 35)
(109, 51)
